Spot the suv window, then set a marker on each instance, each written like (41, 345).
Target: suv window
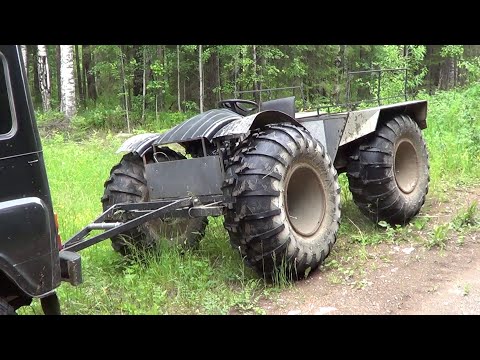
(6, 122)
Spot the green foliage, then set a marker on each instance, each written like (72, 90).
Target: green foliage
(467, 218)
(452, 51)
(319, 73)
(100, 117)
(438, 237)
(463, 222)
(453, 137)
(50, 116)
(166, 120)
(392, 83)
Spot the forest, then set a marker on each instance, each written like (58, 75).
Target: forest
(85, 95)
(126, 86)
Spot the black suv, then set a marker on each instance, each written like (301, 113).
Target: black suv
(29, 245)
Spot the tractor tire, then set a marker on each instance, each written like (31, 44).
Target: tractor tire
(283, 202)
(6, 309)
(388, 175)
(127, 183)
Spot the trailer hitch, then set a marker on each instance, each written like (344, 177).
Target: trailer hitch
(141, 212)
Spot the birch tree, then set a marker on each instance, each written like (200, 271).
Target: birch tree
(58, 64)
(200, 69)
(44, 76)
(144, 82)
(255, 77)
(125, 90)
(178, 79)
(25, 58)
(67, 79)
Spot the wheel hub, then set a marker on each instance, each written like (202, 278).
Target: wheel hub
(304, 199)
(406, 166)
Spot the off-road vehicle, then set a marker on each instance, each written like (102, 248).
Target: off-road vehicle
(270, 171)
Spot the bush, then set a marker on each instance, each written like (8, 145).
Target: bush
(49, 116)
(453, 136)
(100, 118)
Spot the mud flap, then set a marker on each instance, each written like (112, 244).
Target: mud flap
(71, 267)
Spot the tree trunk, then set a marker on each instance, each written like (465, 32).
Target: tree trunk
(137, 72)
(165, 73)
(235, 74)
(178, 80)
(84, 76)
(94, 76)
(455, 71)
(219, 81)
(451, 73)
(25, 58)
(446, 74)
(200, 69)
(79, 76)
(144, 84)
(255, 83)
(362, 92)
(209, 79)
(36, 80)
(160, 54)
(44, 77)
(58, 63)
(91, 90)
(67, 77)
(125, 93)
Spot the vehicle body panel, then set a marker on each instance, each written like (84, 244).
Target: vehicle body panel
(28, 248)
(332, 130)
(204, 125)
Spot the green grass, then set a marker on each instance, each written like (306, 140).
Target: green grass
(213, 280)
(453, 138)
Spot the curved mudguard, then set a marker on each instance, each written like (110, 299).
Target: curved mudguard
(204, 125)
(138, 144)
(242, 126)
(363, 122)
(212, 124)
(221, 124)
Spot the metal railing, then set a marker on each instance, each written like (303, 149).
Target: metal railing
(379, 72)
(349, 103)
(269, 92)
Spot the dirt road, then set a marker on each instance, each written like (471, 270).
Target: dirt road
(402, 278)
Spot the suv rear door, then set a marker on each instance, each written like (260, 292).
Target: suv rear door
(28, 248)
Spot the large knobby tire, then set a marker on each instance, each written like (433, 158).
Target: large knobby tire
(389, 174)
(127, 183)
(283, 201)
(6, 309)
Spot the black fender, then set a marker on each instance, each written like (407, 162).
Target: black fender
(204, 125)
(220, 124)
(243, 126)
(212, 124)
(138, 144)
